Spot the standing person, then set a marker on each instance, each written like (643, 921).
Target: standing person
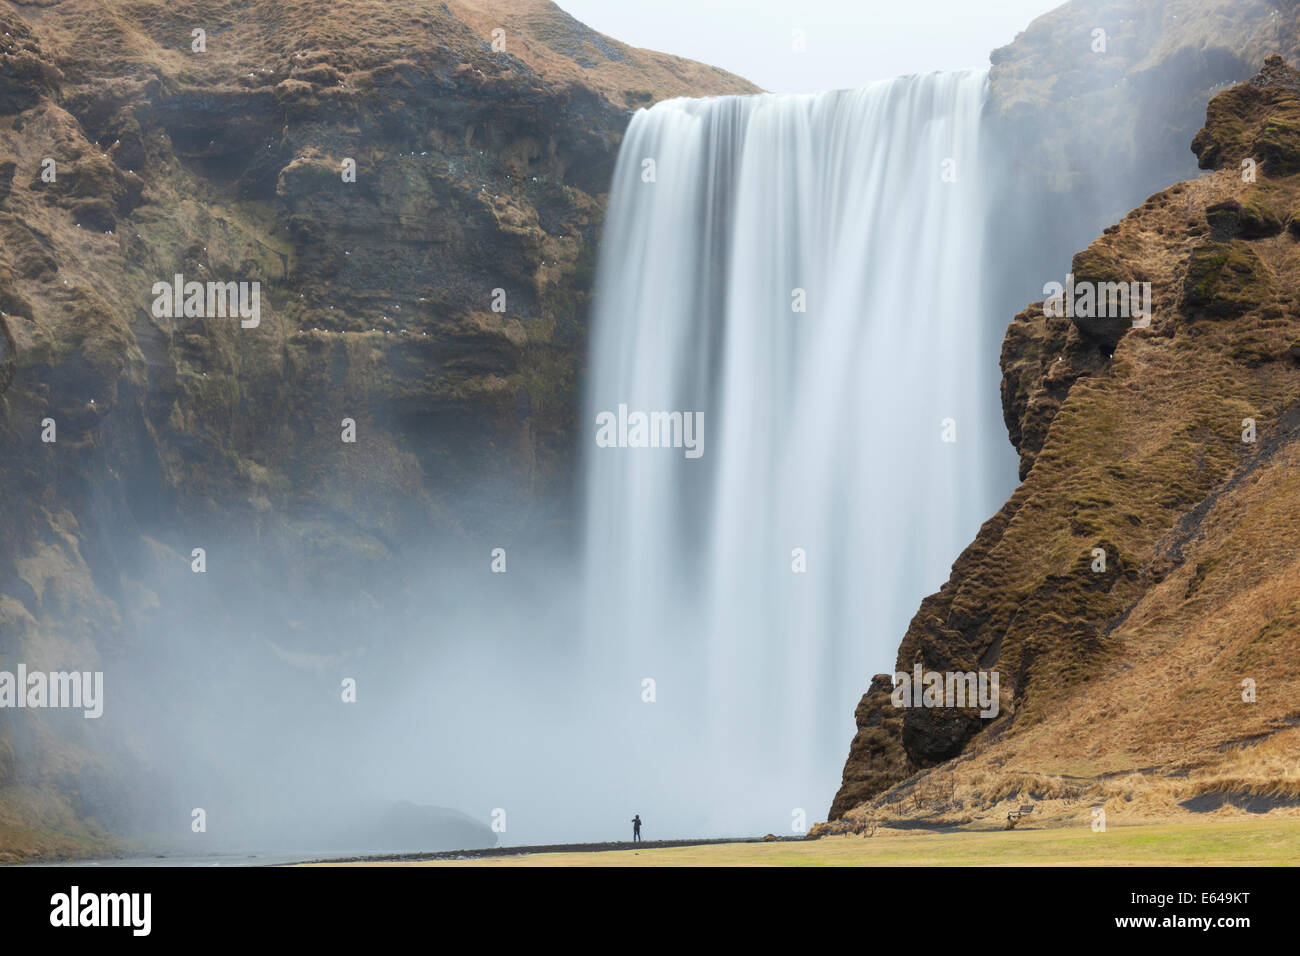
(636, 828)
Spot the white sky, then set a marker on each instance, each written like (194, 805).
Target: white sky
(849, 42)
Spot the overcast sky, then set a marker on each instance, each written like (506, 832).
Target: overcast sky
(849, 42)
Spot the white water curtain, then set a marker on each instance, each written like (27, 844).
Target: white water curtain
(823, 429)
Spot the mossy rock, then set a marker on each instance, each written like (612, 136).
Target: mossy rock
(8, 356)
(13, 302)
(1258, 221)
(97, 214)
(1224, 219)
(307, 175)
(1231, 119)
(1253, 219)
(1224, 280)
(1253, 120)
(1278, 143)
(1098, 266)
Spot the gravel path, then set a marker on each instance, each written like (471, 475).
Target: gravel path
(549, 848)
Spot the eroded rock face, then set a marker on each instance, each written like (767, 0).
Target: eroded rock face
(128, 156)
(877, 758)
(1108, 93)
(1163, 448)
(8, 355)
(1090, 109)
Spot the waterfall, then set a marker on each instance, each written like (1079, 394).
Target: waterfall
(802, 274)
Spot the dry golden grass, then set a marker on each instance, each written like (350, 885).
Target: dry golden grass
(1132, 694)
(1225, 843)
(551, 43)
(255, 43)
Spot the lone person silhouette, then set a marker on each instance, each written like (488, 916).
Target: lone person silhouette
(636, 828)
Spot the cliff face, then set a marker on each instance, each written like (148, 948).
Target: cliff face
(1107, 92)
(132, 150)
(1167, 679)
(1091, 108)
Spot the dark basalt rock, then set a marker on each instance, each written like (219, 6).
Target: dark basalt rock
(475, 171)
(8, 355)
(1098, 268)
(1224, 219)
(1023, 598)
(1224, 280)
(1257, 121)
(877, 759)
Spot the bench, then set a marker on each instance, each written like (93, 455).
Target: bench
(1014, 816)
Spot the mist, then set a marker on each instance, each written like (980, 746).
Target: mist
(532, 670)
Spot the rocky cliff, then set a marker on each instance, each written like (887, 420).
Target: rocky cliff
(1163, 678)
(415, 186)
(1091, 108)
(1110, 88)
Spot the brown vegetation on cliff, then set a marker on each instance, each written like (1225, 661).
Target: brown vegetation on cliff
(1124, 688)
(1110, 87)
(222, 160)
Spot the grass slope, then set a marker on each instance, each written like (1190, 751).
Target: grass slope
(1221, 843)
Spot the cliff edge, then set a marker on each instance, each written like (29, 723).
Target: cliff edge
(1163, 679)
(416, 189)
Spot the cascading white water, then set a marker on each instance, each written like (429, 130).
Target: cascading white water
(823, 438)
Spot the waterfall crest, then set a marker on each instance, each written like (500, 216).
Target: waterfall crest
(804, 272)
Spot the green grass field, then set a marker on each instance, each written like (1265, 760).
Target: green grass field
(1225, 843)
